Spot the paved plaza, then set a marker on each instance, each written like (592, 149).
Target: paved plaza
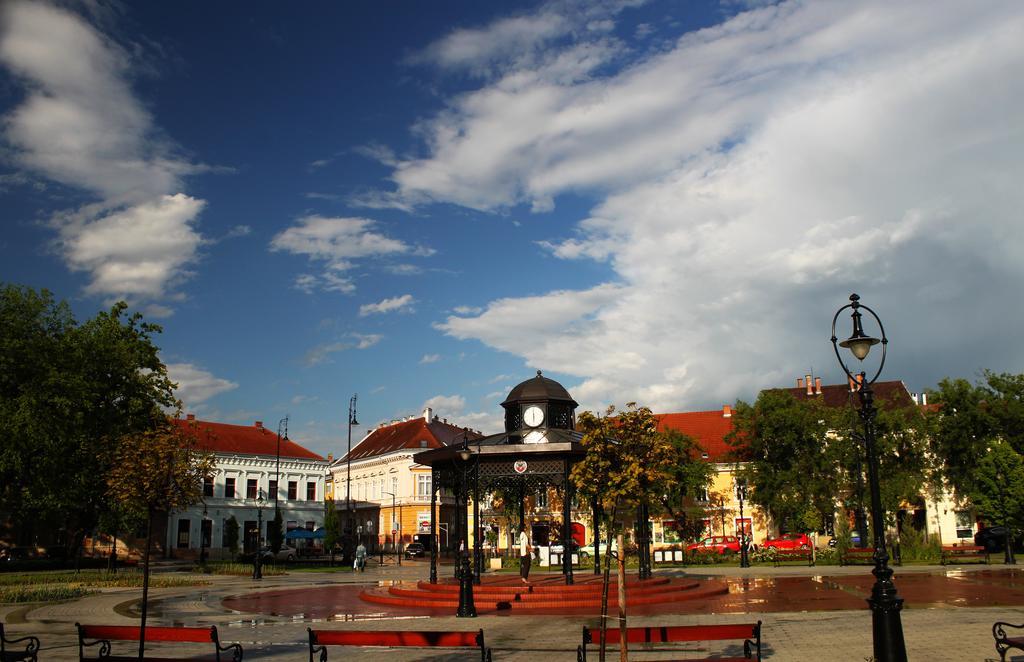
(807, 614)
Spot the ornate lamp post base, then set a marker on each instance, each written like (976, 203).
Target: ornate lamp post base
(466, 607)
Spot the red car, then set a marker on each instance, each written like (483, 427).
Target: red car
(716, 544)
(789, 541)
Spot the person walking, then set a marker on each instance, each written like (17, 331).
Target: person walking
(525, 555)
(361, 557)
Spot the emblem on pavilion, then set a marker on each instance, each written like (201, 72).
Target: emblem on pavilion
(519, 466)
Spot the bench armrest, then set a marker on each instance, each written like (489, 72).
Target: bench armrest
(31, 649)
(236, 651)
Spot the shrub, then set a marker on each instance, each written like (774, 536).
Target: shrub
(916, 546)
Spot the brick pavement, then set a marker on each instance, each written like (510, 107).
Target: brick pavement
(945, 632)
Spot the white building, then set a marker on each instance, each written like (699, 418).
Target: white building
(251, 463)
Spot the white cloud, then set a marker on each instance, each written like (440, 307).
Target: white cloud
(80, 125)
(467, 310)
(399, 304)
(338, 243)
(196, 385)
(321, 354)
(748, 179)
(453, 408)
(430, 358)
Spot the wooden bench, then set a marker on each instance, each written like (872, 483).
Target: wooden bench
(102, 635)
(1003, 642)
(748, 633)
(319, 640)
(857, 556)
(961, 553)
(794, 555)
(31, 648)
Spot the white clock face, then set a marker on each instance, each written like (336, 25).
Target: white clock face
(533, 416)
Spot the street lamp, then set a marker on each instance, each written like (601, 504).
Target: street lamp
(887, 628)
(257, 569)
(741, 494)
(348, 457)
(277, 475)
(395, 527)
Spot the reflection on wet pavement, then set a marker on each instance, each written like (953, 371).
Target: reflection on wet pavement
(949, 589)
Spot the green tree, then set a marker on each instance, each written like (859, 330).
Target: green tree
(332, 528)
(68, 391)
(686, 480)
(275, 531)
(155, 471)
(231, 535)
(626, 464)
(792, 457)
(998, 482)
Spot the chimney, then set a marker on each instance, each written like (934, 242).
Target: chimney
(726, 411)
(914, 397)
(259, 425)
(330, 458)
(924, 398)
(428, 414)
(800, 383)
(817, 385)
(191, 417)
(810, 385)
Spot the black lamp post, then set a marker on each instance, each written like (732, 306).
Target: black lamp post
(257, 567)
(348, 461)
(277, 475)
(465, 572)
(395, 527)
(887, 628)
(741, 494)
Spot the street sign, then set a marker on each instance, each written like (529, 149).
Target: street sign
(394, 531)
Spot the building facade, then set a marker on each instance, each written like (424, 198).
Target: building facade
(257, 471)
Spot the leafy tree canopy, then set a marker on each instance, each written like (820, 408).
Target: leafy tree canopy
(999, 485)
(68, 391)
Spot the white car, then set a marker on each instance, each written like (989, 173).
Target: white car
(286, 553)
(584, 553)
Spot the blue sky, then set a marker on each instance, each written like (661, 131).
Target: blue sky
(422, 203)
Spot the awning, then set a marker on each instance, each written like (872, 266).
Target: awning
(299, 534)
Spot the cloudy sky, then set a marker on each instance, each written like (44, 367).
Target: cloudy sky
(423, 203)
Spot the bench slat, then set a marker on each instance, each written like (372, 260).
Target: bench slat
(660, 635)
(131, 633)
(422, 638)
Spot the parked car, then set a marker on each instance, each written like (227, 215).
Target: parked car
(788, 541)
(993, 539)
(286, 553)
(716, 545)
(583, 552)
(415, 549)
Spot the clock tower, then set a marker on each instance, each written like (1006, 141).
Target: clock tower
(535, 406)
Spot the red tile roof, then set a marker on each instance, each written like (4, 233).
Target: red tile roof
(243, 440)
(838, 395)
(708, 429)
(413, 434)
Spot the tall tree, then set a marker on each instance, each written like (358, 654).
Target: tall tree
(792, 457)
(68, 391)
(998, 491)
(332, 527)
(156, 471)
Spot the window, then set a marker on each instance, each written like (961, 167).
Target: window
(184, 527)
(224, 534)
(206, 533)
(310, 525)
(293, 490)
(310, 491)
(272, 490)
(292, 524)
(208, 486)
(701, 495)
(423, 485)
(229, 488)
(964, 524)
(251, 485)
(394, 485)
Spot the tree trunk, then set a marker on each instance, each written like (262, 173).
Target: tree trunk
(145, 583)
(112, 559)
(623, 643)
(605, 581)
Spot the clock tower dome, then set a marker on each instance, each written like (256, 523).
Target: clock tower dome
(536, 405)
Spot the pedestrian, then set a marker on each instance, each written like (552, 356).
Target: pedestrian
(525, 555)
(361, 557)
